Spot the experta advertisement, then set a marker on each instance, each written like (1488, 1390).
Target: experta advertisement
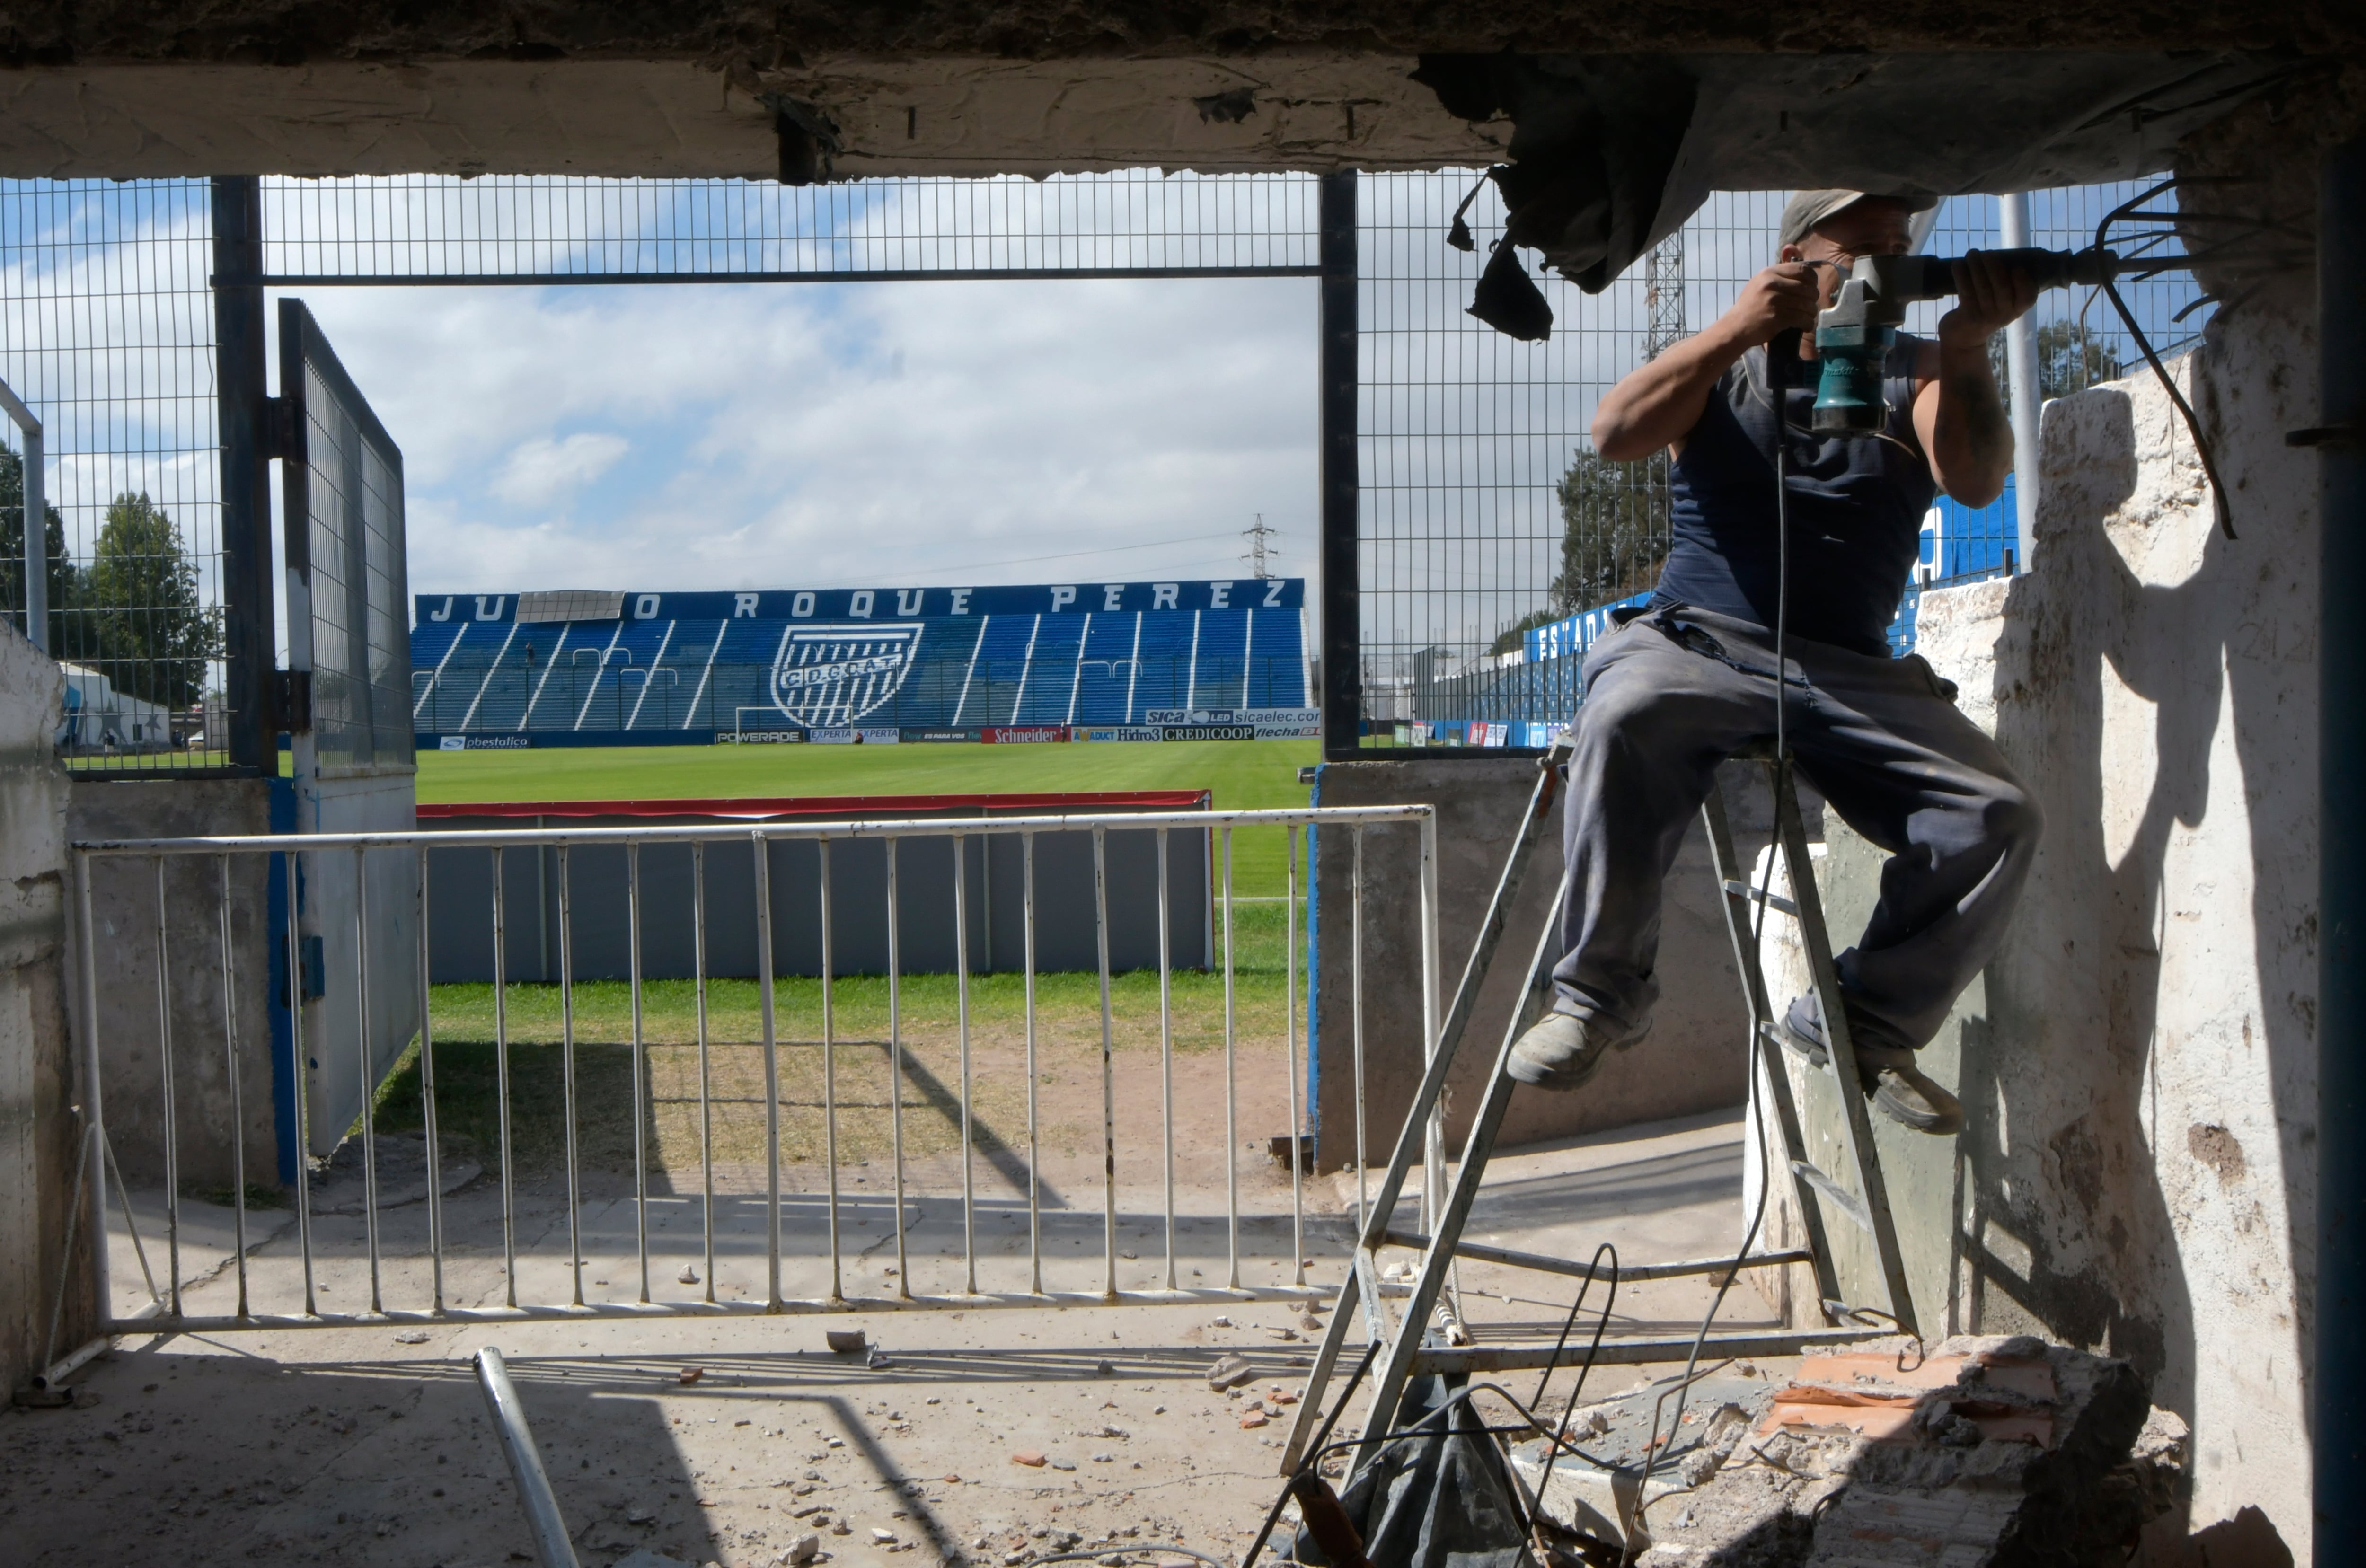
(842, 737)
(1262, 724)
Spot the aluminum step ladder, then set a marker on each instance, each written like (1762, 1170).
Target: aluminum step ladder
(1426, 1334)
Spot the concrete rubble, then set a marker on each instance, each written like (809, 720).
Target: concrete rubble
(1987, 1450)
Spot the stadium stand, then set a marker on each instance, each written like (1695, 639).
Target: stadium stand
(644, 668)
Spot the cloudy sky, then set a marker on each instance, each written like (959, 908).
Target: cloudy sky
(721, 436)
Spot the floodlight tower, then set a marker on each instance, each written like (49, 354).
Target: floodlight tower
(1663, 295)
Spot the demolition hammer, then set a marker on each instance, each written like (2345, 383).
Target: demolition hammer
(1854, 335)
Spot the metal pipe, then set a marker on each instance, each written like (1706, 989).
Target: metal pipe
(706, 1082)
(1433, 1179)
(895, 1067)
(1338, 342)
(829, 1082)
(567, 1072)
(2026, 389)
(237, 1098)
(783, 832)
(37, 543)
(1034, 1133)
(1355, 1023)
(1231, 1134)
(1108, 1072)
(2337, 1383)
(427, 1095)
(1167, 1051)
(771, 1070)
(535, 1499)
(961, 991)
(369, 1066)
(171, 1109)
(1289, 1056)
(640, 1067)
(300, 1069)
(502, 1081)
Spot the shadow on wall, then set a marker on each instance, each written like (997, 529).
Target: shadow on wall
(2140, 1150)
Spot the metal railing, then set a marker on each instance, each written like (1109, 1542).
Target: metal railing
(300, 862)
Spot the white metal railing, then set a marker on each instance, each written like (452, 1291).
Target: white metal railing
(166, 1307)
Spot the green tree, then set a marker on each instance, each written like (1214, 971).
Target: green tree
(1614, 537)
(153, 636)
(1614, 529)
(2071, 358)
(63, 580)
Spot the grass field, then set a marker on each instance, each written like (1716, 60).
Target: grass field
(1243, 776)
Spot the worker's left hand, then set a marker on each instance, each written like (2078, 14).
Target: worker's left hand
(1989, 293)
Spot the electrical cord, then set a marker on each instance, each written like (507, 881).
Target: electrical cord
(1322, 1449)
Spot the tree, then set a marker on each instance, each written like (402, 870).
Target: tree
(63, 578)
(1614, 529)
(2071, 358)
(1614, 537)
(153, 636)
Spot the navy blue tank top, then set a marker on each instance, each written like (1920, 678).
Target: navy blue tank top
(1857, 506)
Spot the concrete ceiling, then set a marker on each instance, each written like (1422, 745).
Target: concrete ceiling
(1029, 86)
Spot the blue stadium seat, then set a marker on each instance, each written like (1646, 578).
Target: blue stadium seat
(701, 662)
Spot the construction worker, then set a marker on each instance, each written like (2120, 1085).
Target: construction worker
(1689, 678)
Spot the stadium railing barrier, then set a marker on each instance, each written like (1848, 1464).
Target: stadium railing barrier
(351, 1000)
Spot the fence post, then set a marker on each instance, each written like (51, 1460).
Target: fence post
(242, 397)
(1340, 630)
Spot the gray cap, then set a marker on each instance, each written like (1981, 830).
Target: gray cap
(1808, 207)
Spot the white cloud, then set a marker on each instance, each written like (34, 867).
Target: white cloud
(812, 434)
(541, 472)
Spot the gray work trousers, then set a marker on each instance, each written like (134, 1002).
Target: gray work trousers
(1673, 693)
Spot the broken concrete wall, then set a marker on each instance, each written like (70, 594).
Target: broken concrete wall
(38, 1081)
(2137, 1174)
(1693, 1059)
(204, 995)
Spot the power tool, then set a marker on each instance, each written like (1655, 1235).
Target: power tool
(1854, 335)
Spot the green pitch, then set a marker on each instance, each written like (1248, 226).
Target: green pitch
(1244, 775)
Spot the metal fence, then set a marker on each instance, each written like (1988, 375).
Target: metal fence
(442, 230)
(106, 332)
(1486, 513)
(790, 1251)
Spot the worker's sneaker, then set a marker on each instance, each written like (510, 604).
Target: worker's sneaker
(1563, 1051)
(1896, 1086)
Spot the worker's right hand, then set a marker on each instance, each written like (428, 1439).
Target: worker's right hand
(1784, 297)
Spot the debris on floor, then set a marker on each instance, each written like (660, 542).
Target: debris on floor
(2000, 1451)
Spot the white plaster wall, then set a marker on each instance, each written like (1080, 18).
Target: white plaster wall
(37, 1141)
(2138, 1065)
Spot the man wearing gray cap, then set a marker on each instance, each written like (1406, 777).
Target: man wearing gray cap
(1690, 678)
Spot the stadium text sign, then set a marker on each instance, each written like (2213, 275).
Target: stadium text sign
(876, 605)
(482, 742)
(1261, 724)
(844, 736)
(1023, 734)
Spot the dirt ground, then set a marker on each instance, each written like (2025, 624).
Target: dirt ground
(370, 1445)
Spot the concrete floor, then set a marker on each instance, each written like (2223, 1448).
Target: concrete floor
(370, 1445)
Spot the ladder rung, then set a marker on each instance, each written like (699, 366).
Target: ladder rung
(1629, 1273)
(1775, 901)
(1834, 1194)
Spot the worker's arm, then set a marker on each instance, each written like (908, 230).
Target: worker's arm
(1959, 414)
(1659, 404)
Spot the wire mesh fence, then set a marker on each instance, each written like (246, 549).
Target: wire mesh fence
(1494, 539)
(1490, 532)
(430, 229)
(107, 334)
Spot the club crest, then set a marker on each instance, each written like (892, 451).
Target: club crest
(840, 675)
